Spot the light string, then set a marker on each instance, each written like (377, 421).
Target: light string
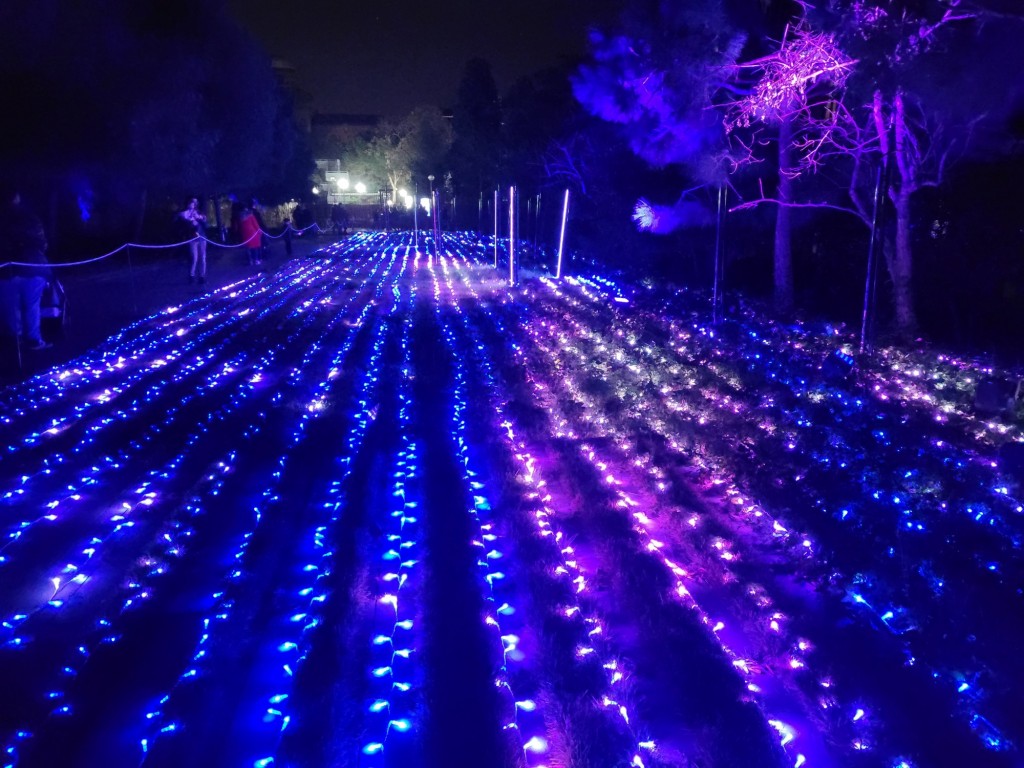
(393, 672)
(292, 632)
(591, 630)
(283, 344)
(640, 508)
(875, 464)
(191, 366)
(217, 621)
(902, 499)
(295, 631)
(522, 716)
(143, 339)
(164, 341)
(169, 546)
(74, 493)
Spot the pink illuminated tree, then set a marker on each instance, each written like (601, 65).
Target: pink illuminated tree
(894, 104)
(793, 91)
(671, 77)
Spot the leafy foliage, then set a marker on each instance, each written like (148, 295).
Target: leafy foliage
(656, 77)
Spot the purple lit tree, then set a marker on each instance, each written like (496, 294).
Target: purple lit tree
(792, 92)
(672, 78)
(897, 103)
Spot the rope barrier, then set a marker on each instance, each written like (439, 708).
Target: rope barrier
(167, 245)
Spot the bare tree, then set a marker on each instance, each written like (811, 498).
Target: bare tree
(878, 115)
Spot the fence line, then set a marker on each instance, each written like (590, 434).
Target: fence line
(167, 245)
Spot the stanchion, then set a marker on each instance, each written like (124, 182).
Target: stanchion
(511, 236)
(722, 192)
(561, 236)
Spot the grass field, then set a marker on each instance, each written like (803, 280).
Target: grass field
(377, 508)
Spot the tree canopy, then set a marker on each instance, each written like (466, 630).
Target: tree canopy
(809, 93)
(133, 96)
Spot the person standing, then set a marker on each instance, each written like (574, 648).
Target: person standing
(251, 235)
(254, 206)
(196, 221)
(22, 240)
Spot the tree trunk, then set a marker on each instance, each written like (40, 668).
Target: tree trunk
(783, 224)
(901, 269)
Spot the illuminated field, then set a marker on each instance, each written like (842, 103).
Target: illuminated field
(378, 509)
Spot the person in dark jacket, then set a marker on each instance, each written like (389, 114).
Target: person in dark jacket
(23, 241)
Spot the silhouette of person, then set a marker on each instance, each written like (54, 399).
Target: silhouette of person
(23, 240)
(196, 221)
(251, 236)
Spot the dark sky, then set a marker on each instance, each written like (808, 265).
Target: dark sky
(388, 56)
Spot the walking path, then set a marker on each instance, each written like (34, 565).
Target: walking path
(103, 300)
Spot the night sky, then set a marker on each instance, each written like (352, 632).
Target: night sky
(388, 56)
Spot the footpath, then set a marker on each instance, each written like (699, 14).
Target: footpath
(101, 300)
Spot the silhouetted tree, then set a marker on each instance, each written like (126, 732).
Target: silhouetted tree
(476, 152)
(915, 96)
(144, 98)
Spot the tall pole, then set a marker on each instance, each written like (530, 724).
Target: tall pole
(511, 236)
(561, 236)
(433, 226)
(416, 217)
(536, 224)
(718, 255)
(495, 229)
(869, 279)
(437, 220)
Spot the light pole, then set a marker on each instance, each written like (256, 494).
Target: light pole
(435, 214)
(561, 236)
(512, 271)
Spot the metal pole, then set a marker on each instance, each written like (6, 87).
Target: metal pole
(718, 250)
(437, 222)
(561, 236)
(416, 217)
(495, 229)
(511, 236)
(536, 225)
(869, 278)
